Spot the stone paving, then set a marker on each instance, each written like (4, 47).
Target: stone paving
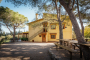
(25, 51)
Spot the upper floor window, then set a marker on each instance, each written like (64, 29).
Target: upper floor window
(64, 26)
(53, 26)
(45, 24)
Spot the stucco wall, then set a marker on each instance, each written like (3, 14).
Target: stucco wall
(34, 30)
(67, 32)
(53, 31)
(37, 39)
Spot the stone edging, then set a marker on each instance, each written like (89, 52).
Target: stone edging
(53, 56)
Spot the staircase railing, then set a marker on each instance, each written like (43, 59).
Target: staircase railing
(35, 34)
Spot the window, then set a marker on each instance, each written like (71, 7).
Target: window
(53, 35)
(53, 26)
(39, 35)
(64, 26)
(45, 24)
(44, 30)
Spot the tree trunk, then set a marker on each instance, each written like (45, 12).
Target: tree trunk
(79, 36)
(60, 31)
(58, 9)
(14, 35)
(82, 27)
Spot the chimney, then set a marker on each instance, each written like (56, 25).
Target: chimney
(36, 16)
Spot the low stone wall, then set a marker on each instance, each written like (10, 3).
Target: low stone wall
(53, 56)
(62, 54)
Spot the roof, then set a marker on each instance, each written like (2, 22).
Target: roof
(35, 21)
(24, 33)
(45, 15)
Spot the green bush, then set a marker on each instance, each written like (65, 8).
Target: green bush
(9, 37)
(24, 39)
(1, 41)
(15, 38)
(12, 39)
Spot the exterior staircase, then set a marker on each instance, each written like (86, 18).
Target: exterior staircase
(34, 35)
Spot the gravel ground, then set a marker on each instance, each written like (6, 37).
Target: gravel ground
(25, 51)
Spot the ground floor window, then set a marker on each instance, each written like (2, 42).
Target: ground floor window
(39, 35)
(53, 35)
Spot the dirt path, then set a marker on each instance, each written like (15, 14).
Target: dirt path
(25, 51)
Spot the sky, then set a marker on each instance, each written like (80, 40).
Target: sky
(26, 11)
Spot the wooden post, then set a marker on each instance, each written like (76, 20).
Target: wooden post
(22, 34)
(80, 53)
(70, 55)
(18, 36)
(26, 35)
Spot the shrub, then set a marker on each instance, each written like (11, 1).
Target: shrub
(9, 37)
(24, 39)
(12, 39)
(1, 41)
(2, 36)
(16, 38)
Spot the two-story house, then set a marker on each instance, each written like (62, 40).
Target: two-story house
(47, 29)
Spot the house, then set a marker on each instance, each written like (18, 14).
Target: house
(47, 28)
(23, 34)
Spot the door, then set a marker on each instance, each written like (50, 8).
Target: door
(44, 25)
(43, 37)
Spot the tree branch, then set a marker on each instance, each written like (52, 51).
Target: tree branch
(8, 28)
(59, 11)
(80, 19)
(54, 19)
(69, 2)
(17, 25)
(56, 7)
(2, 24)
(73, 4)
(64, 18)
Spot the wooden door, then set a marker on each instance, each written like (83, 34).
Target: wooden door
(43, 37)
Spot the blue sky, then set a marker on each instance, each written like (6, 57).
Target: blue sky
(26, 11)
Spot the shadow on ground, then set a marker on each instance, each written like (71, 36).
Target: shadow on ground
(63, 54)
(25, 51)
